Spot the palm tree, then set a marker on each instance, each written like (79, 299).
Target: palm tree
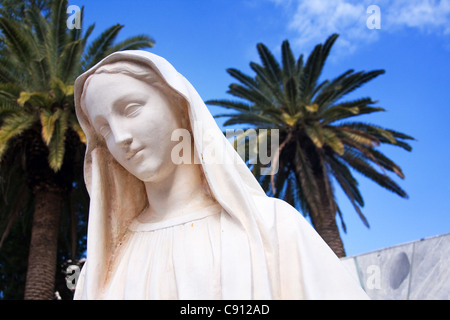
(41, 142)
(319, 144)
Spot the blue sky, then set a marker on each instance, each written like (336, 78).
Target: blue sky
(202, 38)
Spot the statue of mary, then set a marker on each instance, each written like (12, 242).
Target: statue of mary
(201, 228)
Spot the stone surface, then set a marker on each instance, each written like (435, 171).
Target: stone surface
(431, 269)
(417, 270)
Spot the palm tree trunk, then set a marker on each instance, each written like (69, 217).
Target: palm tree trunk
(324, 221)
(328, 230)
(323, 213)
(43, 247)
(48, 188)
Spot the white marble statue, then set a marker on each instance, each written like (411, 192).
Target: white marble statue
(199, 229)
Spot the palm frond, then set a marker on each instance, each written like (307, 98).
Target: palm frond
(352, 82)
(271, 67)
(268, 85)
(332, 140)
(17, 38)
(358, 136)
(97, 50)
(382, 134)
(292, 95)
(339, 212)
(6, 109)
(73, 123)
(34, 99)
(13, 126)
(344, 177)
(58, 29)
(314, 66)
(256, 119)
(132, 43)
(357, 163)
(348, 109)
(324, 96)
(59, 90)
(300, 66)
(257, 97)
(243, 78)
(69, 61)
(382, 160)
(48, 120)
(56, 145)
(87, 34)
(230, 104)
(307, 184)
(9, 91)
(288, 60)
(8, 70)
(314, 132)
(39, 23)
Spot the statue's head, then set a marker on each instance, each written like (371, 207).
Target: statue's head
(133, 112)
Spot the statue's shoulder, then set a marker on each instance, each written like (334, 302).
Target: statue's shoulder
(275, 210)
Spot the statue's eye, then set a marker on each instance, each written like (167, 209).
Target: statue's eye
(132, 109)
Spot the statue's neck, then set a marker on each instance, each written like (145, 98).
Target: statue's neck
(181, 192)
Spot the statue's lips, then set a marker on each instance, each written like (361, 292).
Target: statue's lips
(132, 153)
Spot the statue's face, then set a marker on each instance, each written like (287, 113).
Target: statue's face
(136, 120)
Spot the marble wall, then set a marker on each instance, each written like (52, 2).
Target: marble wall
(418, 270)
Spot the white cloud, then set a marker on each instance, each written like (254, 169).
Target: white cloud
(314, 20)
(425, 15)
